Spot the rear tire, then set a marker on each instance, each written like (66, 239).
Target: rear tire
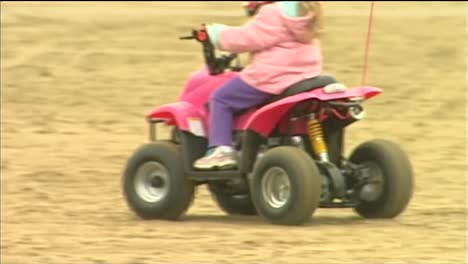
(154, 183)
(233, 204)
(393, 165)
(286, 186)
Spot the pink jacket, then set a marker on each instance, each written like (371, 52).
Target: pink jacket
(280, 53)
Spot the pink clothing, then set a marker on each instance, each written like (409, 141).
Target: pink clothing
(281, 56)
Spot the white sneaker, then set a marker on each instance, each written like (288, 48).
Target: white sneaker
(334, 88)
(221, 157)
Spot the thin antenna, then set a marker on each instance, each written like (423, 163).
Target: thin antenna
(366, 51)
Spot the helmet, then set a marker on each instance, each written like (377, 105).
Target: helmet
(251, 7)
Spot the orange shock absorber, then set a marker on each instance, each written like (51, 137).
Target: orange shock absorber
(316, 138)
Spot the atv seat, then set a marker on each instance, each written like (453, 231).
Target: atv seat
(299, 87)
(304, 86)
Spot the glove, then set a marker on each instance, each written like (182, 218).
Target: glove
(213, 31)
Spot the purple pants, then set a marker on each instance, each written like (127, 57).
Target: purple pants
(231, 98)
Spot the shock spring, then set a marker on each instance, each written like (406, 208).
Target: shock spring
(316, 138)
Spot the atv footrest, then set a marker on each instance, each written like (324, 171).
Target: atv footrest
(221, 175)
(338, 205)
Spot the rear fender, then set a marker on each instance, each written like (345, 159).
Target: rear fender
(266, 118)
(184, 115)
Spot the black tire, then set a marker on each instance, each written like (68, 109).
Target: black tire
(304, 180)
(233, 204)
(179, 191)
(397, 173)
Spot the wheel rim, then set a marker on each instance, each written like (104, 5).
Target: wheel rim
(152, 182)
(276, 187)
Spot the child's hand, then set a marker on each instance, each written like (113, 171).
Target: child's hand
(213, 31)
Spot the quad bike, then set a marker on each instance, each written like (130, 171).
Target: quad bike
(290, 154)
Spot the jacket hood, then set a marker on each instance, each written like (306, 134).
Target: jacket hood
(297, 26)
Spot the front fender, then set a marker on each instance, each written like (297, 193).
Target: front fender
(184, 115)
(266, 118)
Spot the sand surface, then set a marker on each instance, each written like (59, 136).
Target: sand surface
(77, 79)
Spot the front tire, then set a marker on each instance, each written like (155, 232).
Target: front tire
(154, 183)
(391, 166)
(286, 186)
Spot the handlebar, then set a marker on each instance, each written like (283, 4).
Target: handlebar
(216, 65)
(187, 37)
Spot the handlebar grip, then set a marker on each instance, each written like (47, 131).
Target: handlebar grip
(187, 37)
